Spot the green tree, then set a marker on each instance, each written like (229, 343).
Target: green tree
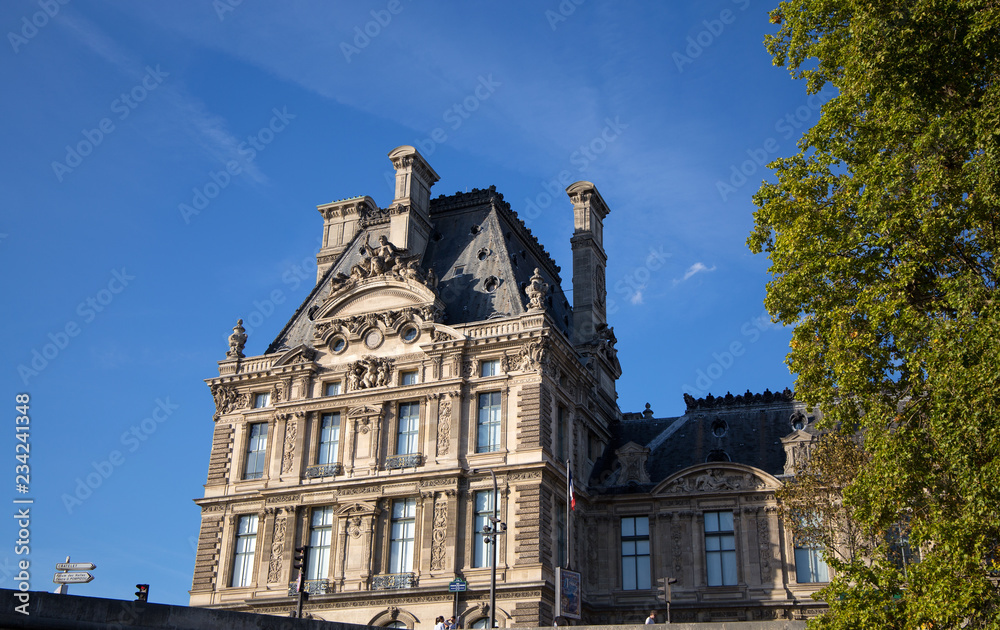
(883, 232)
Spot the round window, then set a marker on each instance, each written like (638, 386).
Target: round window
(409, 333)
(719, 428)
(373, 339)
(339, 344)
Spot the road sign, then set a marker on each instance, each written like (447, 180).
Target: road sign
(75, 566)
(457, 586)
(76, 577)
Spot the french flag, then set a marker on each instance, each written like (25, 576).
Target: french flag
(569, 482)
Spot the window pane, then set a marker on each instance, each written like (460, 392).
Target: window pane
(628, 527)
(628, 573)
(642, 526)
(482, 554)
(628, 548)
(489, 368)
(409, 414)
(246, 542)
(713, 565)
(401, 535)
(488, 429)
(333, 389)
(642, 571)
(320, 535)
(642, 547)
(256, 451)
(725, 521)
(711, 521)
(712, 543)
(729, 567)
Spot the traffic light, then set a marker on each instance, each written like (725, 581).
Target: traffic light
(142, 594)
(300, 561)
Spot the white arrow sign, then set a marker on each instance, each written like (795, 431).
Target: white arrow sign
(75, 566)
(77, 577)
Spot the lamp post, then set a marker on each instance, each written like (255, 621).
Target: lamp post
(490, 533)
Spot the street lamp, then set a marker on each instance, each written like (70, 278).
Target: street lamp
(490, 533)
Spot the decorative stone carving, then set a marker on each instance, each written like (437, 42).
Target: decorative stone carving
(714, 480)
(354, 526)
(288, 456)
(606, 341)
(439, 533)
(764, 542)
(237, 341)
(536, 291)
(227, 400)
(369, 372)
(277, 547)
(444, 427)
(631, 465)
(533, 356)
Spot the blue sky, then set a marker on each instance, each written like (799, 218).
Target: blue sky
(119, 299)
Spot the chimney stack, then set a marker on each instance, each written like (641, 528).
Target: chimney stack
(410, 225)
(589, 261)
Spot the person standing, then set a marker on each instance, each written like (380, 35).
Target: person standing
(439, 623)
(652, 617)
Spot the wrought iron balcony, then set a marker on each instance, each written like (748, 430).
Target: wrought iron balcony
(393, 580)
(324, 470)
(404, 461)
(313, 587)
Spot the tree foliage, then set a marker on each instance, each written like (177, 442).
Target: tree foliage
(883, 233)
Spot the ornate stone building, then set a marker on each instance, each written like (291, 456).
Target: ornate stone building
(436, 350)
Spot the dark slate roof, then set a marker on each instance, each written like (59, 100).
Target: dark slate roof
(751, 432)
(481, 252)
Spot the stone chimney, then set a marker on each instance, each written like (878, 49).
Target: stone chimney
(340, 224)
(410, 225)
(589, 261)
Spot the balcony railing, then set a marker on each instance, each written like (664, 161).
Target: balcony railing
(393, 580)
(324, 470)
(404, 461)
(313, 587)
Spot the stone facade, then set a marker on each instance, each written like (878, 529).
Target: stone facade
(437, 347)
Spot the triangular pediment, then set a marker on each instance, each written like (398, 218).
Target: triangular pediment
(715, 478)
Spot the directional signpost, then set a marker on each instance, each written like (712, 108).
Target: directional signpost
(75, 566)
(72, 573)
(72, 577)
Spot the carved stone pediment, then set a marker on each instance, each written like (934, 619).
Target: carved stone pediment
(365, 411)
(357, 508)
(716, 477)
(299, 354)
(798, 446)
(631, 465)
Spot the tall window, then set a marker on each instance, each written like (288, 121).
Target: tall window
(561, 433)
(329, 438)
(404, 512)
(482, 554)
(246, 543)
(809, 565)
(489, 368)
(320, 534)
(720, 548)
(635, 553)
(409, 429)
(488, 439)
(256, 451)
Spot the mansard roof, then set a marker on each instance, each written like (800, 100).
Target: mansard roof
(481, 252)
(739, 429)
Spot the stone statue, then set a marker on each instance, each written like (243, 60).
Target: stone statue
(536, 291)
(237, 341)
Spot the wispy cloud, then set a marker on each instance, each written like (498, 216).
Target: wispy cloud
(696, 268)
(186, 115)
